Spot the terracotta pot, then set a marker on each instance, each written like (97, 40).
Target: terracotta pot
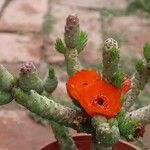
(83, 142)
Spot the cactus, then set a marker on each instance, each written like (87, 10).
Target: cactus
(35, 94)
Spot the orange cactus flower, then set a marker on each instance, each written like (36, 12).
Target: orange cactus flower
(81, 80)
(94, 94)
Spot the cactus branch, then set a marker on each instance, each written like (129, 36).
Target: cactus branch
(111, 59)
(75, 41)
(105, 134)
(72, 62)
(141, 115)
(97, 146)
(6, 83)
(139, 80)
(6, 79)
(71, 37)
(62, 135)
(50, 110)
(61, 132)
(29, 78)
(50, 82)
(5, 97)
(111, 62)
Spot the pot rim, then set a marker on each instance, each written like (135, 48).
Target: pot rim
(127, 143)
(84, 135)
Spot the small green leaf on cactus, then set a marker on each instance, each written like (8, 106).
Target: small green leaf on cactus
(114, 53)
(119, 79)
(51, 72)
(59, 45)
(140, 66)
(121, 117)
(126, 126)
(83, 37)
(147, 51)
(50, 82)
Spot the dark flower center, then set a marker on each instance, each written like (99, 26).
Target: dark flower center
(100, 101)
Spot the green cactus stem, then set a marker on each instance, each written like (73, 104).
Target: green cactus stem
(75, 42)
(61, 134)
(50, 110)
(64, 102)
(105, 134)
(96, 144)
(141, 115)
(6, 83)
(118, 78)
(139, 80)
(72, 62)
(50, 82)
(111, 59)
(29, 79)
(71, 37)
(6, 79)
(127, 126)
(72, 32)
(5, 97)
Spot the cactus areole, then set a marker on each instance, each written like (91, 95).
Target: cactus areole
(94, 94)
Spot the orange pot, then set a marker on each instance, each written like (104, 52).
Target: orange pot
(83, 142)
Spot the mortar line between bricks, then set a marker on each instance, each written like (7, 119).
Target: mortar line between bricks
(21, 32)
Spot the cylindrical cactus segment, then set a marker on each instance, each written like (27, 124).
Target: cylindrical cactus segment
(29, 79)
(106, 135)
(111, 59)
(6, 79)
(5, 97)
(71, 35)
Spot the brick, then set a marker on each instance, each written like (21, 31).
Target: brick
(23, 15)
(19, 48)
(135, 29)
